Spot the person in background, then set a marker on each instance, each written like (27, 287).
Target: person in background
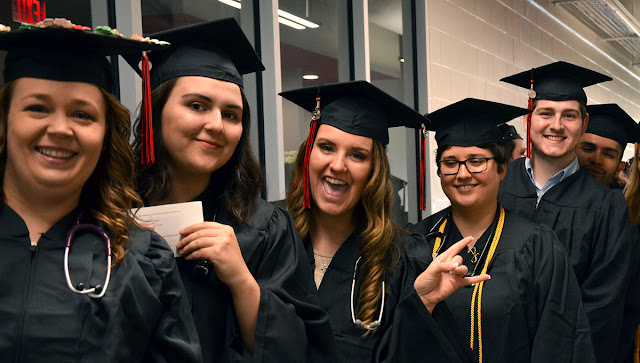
(376, 281)
(513, 143)
(515, 315)
(548, 187)
(244, 268)
(602, 146)
(81, 282)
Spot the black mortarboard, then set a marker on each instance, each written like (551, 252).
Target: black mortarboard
(612, 122)
(62, 54)
(472, 122)
(358, 108)
(509, 132)
(559, 81)
(216, 49)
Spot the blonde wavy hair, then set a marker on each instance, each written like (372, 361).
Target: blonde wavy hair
(632, 190)
(109, 192)
(377, 228)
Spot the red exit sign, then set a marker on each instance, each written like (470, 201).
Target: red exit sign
(29, 11)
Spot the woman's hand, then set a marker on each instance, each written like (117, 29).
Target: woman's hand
(445, 275)
(216, 243)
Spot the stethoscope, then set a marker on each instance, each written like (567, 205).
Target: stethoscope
(359, 323)
(96, 291)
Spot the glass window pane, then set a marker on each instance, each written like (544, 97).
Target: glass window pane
(385, 54)
(160, 15)
(307, 52)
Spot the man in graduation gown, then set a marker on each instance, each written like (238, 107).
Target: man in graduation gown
(600, 153)
(548, 187)
(602, 145)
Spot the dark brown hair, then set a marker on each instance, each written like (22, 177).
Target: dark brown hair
(240, 178)
(109, 192)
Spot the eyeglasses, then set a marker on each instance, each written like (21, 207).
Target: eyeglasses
(473, 165)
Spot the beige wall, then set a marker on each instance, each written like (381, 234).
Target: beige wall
(474, 43)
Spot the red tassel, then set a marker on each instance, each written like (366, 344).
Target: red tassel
(148, 152)
(423, 168)
(528, 118)
(306, 203)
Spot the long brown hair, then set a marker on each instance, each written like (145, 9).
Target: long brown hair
(632, 190)
(377, 229)
(109, 192)
(240, 178)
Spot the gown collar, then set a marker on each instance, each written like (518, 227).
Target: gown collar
(13, 226)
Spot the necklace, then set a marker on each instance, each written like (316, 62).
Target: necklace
(322, 263)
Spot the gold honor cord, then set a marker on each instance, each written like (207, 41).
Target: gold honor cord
(436, 246)
(477, 291)
(636, 348)
(478, 288)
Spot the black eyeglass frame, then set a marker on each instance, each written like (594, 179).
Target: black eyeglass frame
(464, 162)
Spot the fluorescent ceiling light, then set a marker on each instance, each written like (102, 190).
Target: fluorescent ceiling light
(284, 17)
(310, 76)
(284, 21)
(235, 4)
(297, 19)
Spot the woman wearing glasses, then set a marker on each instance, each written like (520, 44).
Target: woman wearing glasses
(531, 308)
(368, 271)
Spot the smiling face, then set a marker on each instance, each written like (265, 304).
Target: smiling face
(556, 129)
(600, 156)
(201, 125)
(339, 169)
(471, 190)
(55, 134)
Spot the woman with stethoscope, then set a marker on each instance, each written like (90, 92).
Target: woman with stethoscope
(79, 281)
(531, 309)
(368, 271)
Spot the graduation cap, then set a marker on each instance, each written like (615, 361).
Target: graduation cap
(216, 49)
(612, 122)
(358, 108)
(472, 122)
(509, 132)
(559, 81)
(65, 54)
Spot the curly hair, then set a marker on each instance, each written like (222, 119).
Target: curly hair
(378, 230)
(240, 178)
(109, 192)
(632, 190)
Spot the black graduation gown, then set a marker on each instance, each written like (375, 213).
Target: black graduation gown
(408, 332)
(144, 315)
(592, 223)
(290, 327)
(531, 307)
(631, 314)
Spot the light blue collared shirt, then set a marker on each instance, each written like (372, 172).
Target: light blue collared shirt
(554, 180)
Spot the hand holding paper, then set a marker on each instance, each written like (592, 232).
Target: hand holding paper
(169, 219)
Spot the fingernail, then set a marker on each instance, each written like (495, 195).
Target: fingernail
(489, 277)
(455, 265)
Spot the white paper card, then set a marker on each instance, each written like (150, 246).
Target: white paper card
(169, 219)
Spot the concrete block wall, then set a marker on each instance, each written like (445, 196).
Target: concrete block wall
(474, 43)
